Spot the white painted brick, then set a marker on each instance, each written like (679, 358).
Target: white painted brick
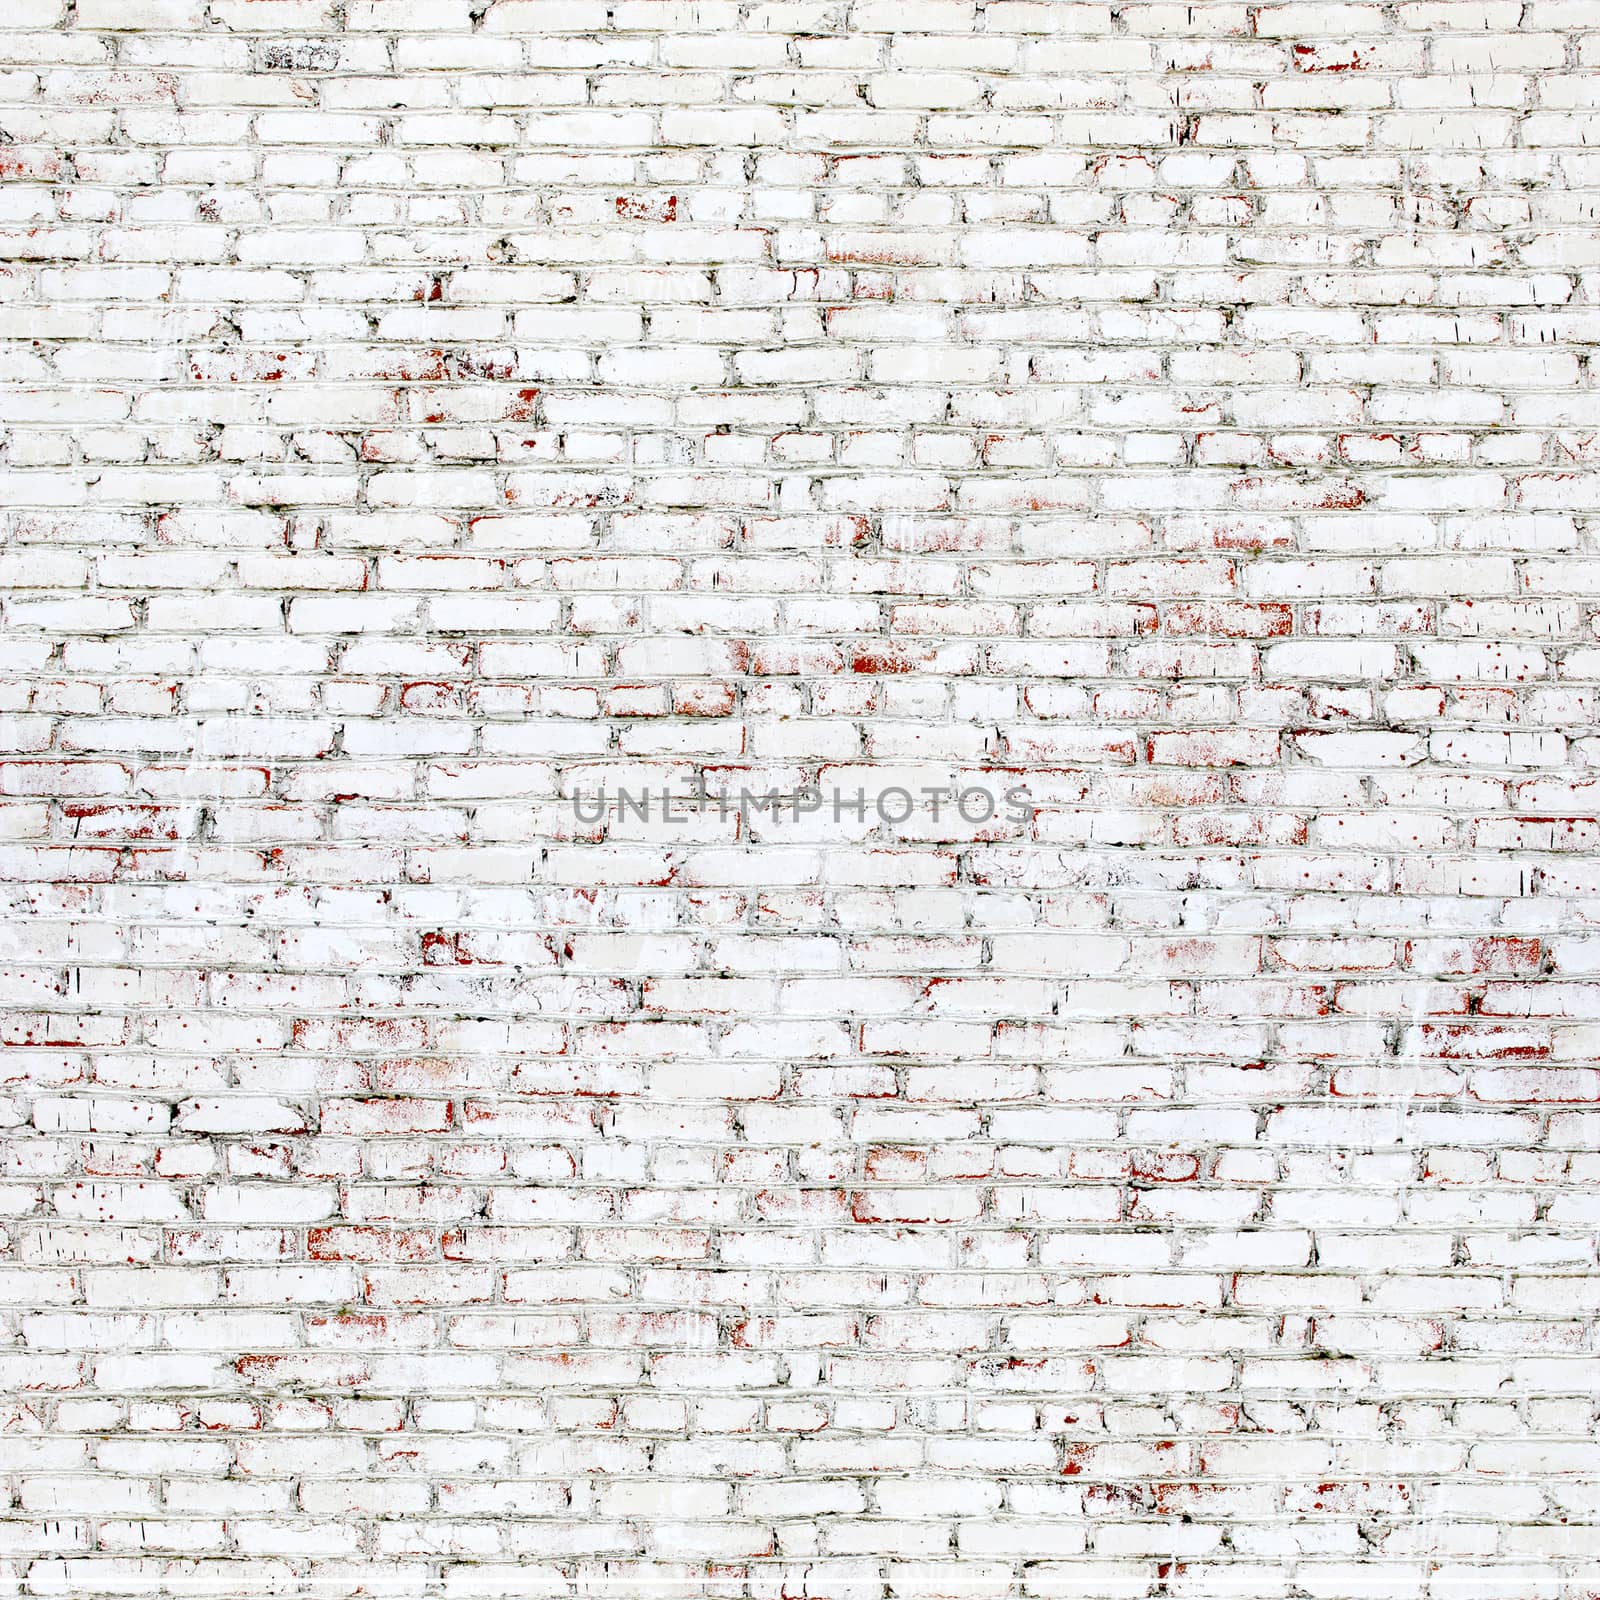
(1176, 418)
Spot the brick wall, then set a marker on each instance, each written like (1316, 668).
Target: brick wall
(421, 414)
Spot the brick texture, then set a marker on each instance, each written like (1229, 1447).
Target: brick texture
(1179, 1185)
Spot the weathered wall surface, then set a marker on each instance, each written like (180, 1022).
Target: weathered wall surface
(1179, 1184)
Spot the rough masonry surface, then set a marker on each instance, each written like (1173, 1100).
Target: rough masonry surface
(1180, 1185)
